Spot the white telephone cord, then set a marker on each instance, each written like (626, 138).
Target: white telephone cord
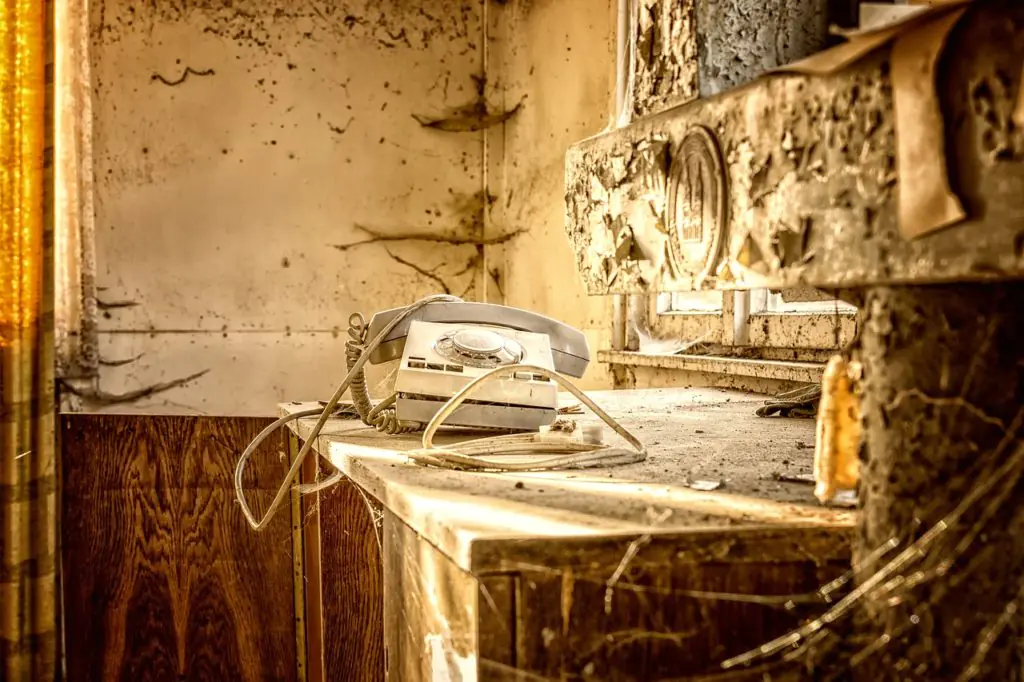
(324, 415)
(466, 456)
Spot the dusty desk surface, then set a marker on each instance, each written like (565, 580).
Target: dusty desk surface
(692, 435)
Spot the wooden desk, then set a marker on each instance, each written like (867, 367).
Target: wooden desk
(624, 573)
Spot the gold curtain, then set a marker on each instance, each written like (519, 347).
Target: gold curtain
(29, 527)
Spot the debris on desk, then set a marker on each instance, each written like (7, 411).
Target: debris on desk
(844, 498)
(793, 478)
(575, 408)
(563, 425)
(704, 486)
(800, 403)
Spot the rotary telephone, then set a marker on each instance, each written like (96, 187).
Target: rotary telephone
(442, 347)
(448, 350)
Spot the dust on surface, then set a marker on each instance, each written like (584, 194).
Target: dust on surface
(741, 39)
(690, 435)
(714, 435)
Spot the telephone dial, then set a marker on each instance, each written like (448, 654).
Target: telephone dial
(443, 346)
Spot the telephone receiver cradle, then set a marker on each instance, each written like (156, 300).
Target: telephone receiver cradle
(444, 346)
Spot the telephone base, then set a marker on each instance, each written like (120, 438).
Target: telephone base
(476, 415)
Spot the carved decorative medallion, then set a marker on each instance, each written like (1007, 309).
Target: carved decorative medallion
(697, 205)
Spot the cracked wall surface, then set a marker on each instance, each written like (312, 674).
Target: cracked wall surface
(665, 55)
(253, 160)
(782, 145)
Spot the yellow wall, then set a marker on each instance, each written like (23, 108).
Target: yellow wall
(218, 199)
(558, 59)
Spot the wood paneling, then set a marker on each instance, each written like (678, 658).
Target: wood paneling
(681, 604)
(163, 579)
(351, 586)
(496, 603)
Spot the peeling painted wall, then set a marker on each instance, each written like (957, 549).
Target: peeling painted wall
(665, 55)
(264, 169)
(557, 58)
(237, 145)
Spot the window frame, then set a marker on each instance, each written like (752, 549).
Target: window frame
(747, 319)
(707, 326)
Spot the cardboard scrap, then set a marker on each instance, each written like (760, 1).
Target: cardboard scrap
(879, 15)
(1018, 111)
(839, 430)
(926, 202)
(860, 43)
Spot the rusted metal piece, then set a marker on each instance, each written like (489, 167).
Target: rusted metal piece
(812, 180)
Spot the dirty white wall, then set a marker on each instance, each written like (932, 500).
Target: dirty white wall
(234, 145)
(557, 58)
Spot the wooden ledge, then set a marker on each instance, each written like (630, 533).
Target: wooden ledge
(779, 370)
(483, 521)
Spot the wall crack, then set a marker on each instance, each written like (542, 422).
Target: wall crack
(183, 77)
(377, 237)
(101, 398)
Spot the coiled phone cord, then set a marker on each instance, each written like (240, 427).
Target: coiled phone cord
(464, 456)
(383, 416)
(322, 417)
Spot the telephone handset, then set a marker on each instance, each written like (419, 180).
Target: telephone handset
(569, 348)
(445, 345)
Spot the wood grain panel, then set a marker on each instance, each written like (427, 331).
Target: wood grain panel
(163, 579)
(430, 610)
(496, 597)
(540, 633)
(351, 586)
(678, 607)
(311, 569)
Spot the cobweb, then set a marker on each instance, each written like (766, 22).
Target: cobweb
(896, 574)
